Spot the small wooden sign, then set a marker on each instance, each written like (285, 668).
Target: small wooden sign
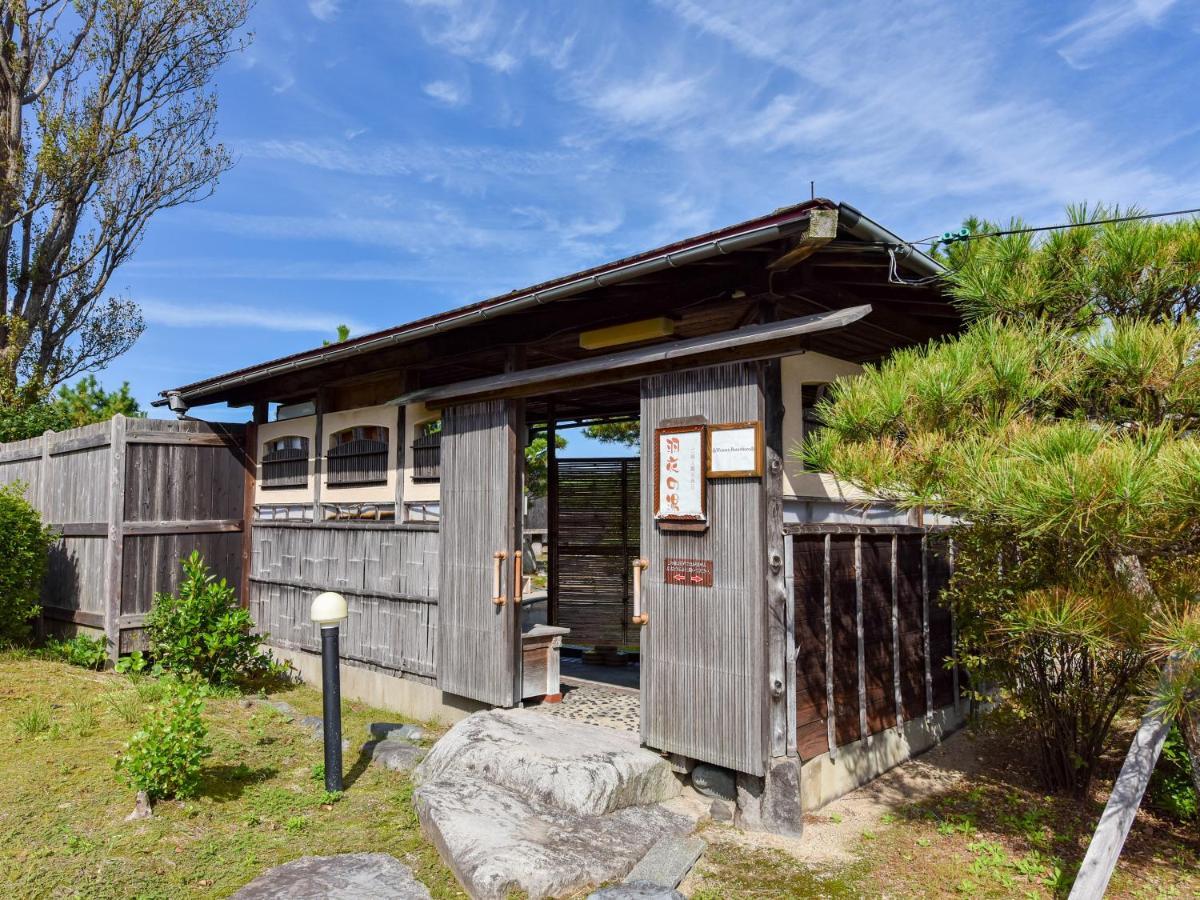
(679, 465)
(735, 450)
(688, 572)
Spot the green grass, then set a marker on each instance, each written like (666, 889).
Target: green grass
(62, 808)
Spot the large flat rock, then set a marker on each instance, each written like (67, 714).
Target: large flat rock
(497, 841)
(579, 768)
(348, 876)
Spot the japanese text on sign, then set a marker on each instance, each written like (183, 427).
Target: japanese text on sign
(680, 480)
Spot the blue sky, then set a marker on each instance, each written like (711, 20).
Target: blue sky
(400, 158)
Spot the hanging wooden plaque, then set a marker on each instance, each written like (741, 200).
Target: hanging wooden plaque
(679, 474)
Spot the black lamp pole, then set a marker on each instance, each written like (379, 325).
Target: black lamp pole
(331, 684)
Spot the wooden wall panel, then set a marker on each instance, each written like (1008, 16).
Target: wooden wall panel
(704, 680)
(844, 634)
(812, 706)
(878, 655)
(941, 642)
(181, 482)
(388, 576)
(75, 574)
(910, 616)
(152, 564)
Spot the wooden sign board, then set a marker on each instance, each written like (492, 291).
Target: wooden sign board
(688, 572)
(735, 450)
(679, 469)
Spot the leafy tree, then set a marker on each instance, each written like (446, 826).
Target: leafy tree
(24, 547)
(86, 402)
(536, 463)
(1061, 430)
(628, 434)
(107, 115)
(343, 334)
(18, 422)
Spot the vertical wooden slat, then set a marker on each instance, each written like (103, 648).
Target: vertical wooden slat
(552, 529)
(895, 592)
(925, 626)
(249, 460)
(116, 537)
(789, 567)
(318, 452)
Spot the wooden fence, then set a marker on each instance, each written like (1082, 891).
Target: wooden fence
(871, 637)
(387, 573)
(130, 498)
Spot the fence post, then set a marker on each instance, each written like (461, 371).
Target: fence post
(116, 537)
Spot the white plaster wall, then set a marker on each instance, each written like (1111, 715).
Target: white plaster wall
(416, 414)
(797, 371)
(306, 427)
(331, 424)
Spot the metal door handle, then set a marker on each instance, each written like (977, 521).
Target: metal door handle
(639, 617)
(498, 577)
(518, 578)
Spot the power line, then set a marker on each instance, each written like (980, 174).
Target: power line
(937, 239)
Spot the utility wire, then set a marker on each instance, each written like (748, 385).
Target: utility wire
(937, 239)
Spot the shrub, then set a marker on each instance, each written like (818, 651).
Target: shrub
(163, 757)
(24, 545)
(201, 630)
(133, 664)
(1171, 788)
(81, 650)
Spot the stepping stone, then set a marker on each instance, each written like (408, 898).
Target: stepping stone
(641, 890)
(380, 731)
(314, 725)
(349, 876)
(572, 766)
(667, 862)
(393, 754)
(497, 841)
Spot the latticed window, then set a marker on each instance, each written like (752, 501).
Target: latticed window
(427, 452)
(358, 455)
(285, 462)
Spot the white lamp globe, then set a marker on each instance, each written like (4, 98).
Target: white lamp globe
(328, 608)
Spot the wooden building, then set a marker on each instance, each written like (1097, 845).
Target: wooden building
(780, 617)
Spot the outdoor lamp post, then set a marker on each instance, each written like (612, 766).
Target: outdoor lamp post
(329, 610)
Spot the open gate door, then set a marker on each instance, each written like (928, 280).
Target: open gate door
(480, 566)
(704, 641)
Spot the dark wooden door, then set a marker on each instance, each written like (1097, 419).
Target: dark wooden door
(704, 648)
(478, 621)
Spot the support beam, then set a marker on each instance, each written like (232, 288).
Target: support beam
(756, 342)
(822, 228)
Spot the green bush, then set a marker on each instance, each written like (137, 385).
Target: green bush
(201, 630)
(81, 650)
(24, 547)
(1171, 788)
(135, 663)
(164, 756)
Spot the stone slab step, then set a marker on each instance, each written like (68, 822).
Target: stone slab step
(349, 876)
(668, 862)
(579, 768)
(497, 841)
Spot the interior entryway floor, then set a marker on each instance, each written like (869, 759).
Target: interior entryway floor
(597, 704)
(576, 668)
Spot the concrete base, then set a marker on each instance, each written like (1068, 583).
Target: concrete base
(412, 699)
(826, 777)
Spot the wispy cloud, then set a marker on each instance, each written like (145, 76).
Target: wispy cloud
(182, 314)
(446, 92)
(325, 10)
(1106, 23)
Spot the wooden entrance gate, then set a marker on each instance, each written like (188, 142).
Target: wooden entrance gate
(596, 536)
(480, 566)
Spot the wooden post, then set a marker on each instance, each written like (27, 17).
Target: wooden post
(261, 410)
(116, 538)
(1117, 818)
(43, 478)
(925, 627)
(898, 698)
(863, 729)
(319, 452)
(789, 570)
(953, 631)
(248, 489)
(830, 723)
(551, 516)
(776, 580)
(401, 449)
